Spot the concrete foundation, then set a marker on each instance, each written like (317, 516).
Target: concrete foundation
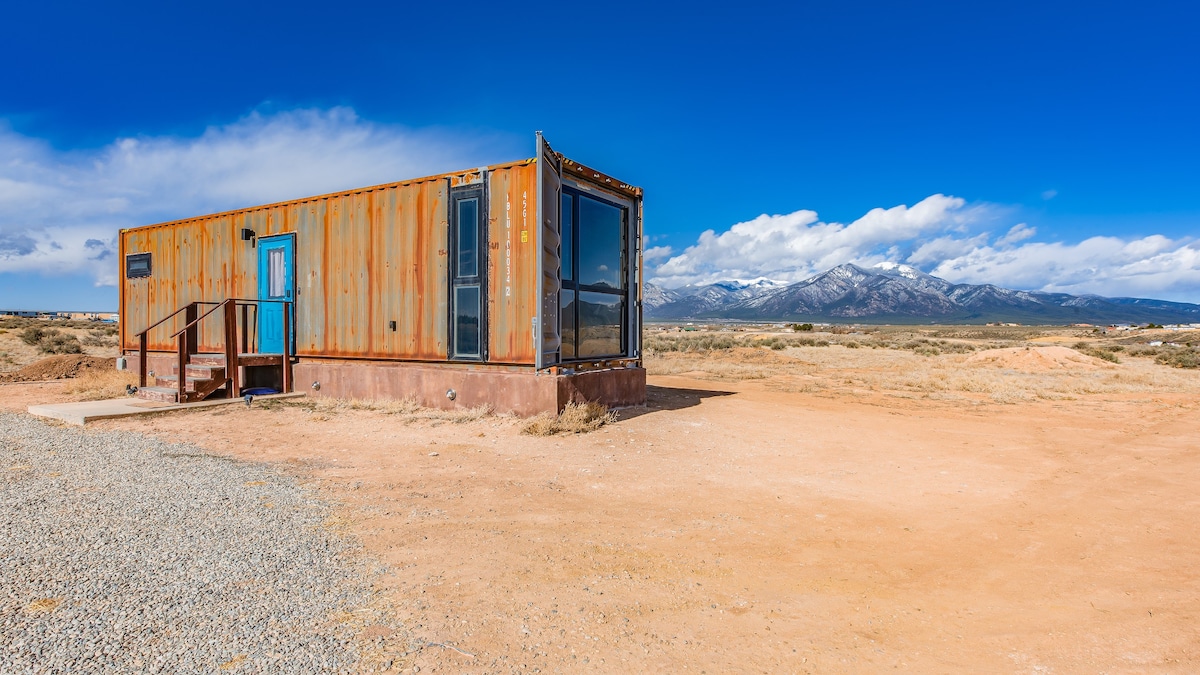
(507, 389)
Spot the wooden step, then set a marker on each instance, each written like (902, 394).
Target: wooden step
(164, 394)
(190, 384)
(243, 359)
(260, 359)
(203, 371)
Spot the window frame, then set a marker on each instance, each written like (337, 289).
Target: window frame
(574, 286)
(139, 256)
(456, 280)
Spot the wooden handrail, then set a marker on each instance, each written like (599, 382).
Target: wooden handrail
(166, 318)
(201, 317)
(186, 340)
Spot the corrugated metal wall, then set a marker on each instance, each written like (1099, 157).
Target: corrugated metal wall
(364, 258)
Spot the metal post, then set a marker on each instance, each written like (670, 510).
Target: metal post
(192, 332)
(142, 360)
(245, 329)
(231, 351)
(182, 352)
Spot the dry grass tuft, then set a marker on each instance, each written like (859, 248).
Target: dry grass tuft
(407, 409)
(43, 605)
(576, 418)
(98, 385)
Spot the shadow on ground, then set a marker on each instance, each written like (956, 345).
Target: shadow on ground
(659, 399)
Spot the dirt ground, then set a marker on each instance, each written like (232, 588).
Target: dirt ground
(806, 510)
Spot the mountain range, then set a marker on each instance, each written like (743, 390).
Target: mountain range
(892, 293)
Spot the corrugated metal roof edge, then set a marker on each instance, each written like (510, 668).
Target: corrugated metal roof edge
(340, 193)
(577, 170)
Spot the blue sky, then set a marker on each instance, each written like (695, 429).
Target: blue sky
(1033, 145)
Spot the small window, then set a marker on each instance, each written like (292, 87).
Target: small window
(468, 237)
(466, 321)
(137, 265)
(275, 287)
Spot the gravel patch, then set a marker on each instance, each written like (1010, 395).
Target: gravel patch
(123, 553)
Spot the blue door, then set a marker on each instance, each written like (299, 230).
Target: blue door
(276, 281)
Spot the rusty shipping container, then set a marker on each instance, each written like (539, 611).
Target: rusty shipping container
(492, 276)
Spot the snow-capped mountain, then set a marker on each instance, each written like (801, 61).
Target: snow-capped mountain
(698, 299)
(891, 292)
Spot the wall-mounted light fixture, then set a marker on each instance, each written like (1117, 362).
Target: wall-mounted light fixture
(249, 235)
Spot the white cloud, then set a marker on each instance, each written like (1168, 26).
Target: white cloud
(795, 245)
(1049, 194)
(53, 202)
(1018, 232)
(946, 237)
(657, 253)
(1153, 266)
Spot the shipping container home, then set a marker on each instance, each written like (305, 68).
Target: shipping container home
(516, 286)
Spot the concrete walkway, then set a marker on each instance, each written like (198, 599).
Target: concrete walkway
(83, 412)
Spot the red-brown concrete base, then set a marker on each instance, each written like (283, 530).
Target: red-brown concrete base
(507, 389)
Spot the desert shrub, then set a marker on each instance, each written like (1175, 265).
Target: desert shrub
(1179, 358)
(1102, 354)
(98, 338)
(56, 342)
(14, 322)
(852, 344)
(33, 335)
(51, 341)
(576, 418)
(690, 343)
(802, 327)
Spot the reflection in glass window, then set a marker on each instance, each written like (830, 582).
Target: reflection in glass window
(275, 273)
(568, 237)
(566, 300)
(600, 324)
(468, 237)
(599, 244)
(466, 321)
(594, 295)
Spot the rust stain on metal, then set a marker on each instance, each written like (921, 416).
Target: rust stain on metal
(363, 258)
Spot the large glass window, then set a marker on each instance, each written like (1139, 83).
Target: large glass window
(600, 253)
(600, 322)
(594, 288)
(467, 243)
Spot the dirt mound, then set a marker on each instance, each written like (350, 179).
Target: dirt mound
(59, 367)
(1037, 359)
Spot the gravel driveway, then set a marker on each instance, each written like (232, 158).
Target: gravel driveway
(121, 553)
